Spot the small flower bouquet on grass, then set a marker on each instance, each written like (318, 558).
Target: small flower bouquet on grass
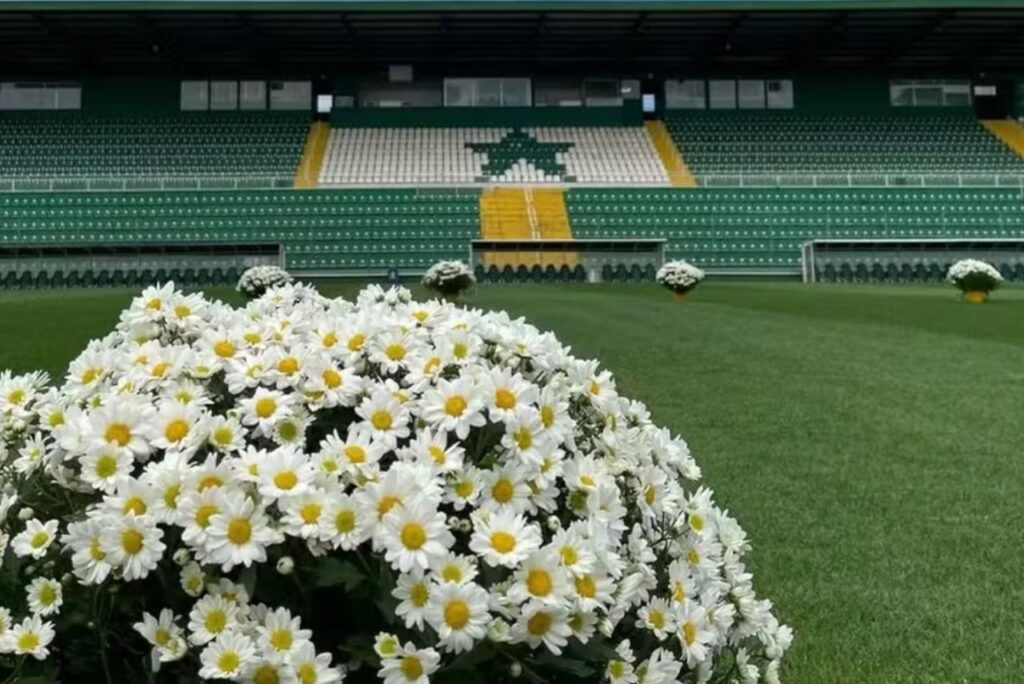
(308, 490)
(449, 278)
(679, 276)
(258, 279)
(975, 279)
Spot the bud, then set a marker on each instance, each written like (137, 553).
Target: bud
(26, 513)
(285, 565)
(515, 669)
(553, 523)
(182, 557)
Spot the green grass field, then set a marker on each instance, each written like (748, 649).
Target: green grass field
(868, 438)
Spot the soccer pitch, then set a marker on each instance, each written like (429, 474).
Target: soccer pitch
(867, 438)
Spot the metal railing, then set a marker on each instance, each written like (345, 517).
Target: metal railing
(797, 179)
(121, 184)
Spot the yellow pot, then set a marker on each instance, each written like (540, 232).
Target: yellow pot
(976, 296)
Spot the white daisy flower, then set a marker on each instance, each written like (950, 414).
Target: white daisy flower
(413, 593)
(458, 613)
(504, 538)
(540, 624)
(132, 544)
(30, 637)
(415, 535)
(34, 541)
(238, 534)
(454, 406)
(45, 596)
(409, 666)
(230, 654)
(211, 616)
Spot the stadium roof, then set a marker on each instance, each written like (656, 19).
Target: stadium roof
(47, 38)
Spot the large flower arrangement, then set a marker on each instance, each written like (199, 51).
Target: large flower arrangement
(679, 276)
(974, 278)
(449, 278)
(258, 279)
(306, 489)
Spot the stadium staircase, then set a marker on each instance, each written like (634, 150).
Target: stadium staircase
(678, 173)
(308, 173)
(1010, 132)
(552, 219)
(506, 214)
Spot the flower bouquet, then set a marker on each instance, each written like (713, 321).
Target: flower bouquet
(679, 276)
(307, 490)
(975, 279)
(258, 279)
(449, 278)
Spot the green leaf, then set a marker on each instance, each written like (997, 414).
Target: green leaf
(333, 572)
(596, 650)
(248, 579)
(570, 666)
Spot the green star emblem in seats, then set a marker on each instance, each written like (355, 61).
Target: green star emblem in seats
(518, 144)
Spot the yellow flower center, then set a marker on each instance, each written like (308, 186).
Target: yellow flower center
(504, 399)
(154, 304)
(451, 573)
(538, 582)
(547, 416)
(106, 466)
(90, 375)
(118, 433)
(437, 453)
(329, 340)
(460, 350)
(239, 531)
(176, 430)
(355, 453)
(569, 555)
(181, 311)
(524, 440)
(503, 542)
(28, 641)
(131, 541)
(345, 520)
(95, 552)
(228, 662)
(306, 673)
(649, 494)
(224, 349)
(204, 513)
(332, 378)
(171, 496)
(411, 668)
(16, 396)
(456, 614)
(288, 365)
(395, 351)
(47, 595)
(265, 674)
(413, 535)
(136, 505)
(162, 637)
(693, 556)
(586, 587)
(265, 407)
(455, 406)
(432, 364)
(281, 639)
(464, 488)
(381, 420)
(696, 522)
(689, 632)
(223, 436)
(310, 513)
(656, 619)
(419, 595)
(355, 343)
(286, 480)
(159, 370)
(539, 624)
(503, 491)
(209, 481)
(252, 337)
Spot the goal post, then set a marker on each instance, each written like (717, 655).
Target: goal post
(905, 260)
(589, 260)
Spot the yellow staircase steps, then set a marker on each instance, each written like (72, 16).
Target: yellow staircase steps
(308, 173)
(1009, 132)
(678, 173)
(504, 215)
(553, 223)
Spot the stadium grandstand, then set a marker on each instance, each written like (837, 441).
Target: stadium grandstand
(187, 139)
